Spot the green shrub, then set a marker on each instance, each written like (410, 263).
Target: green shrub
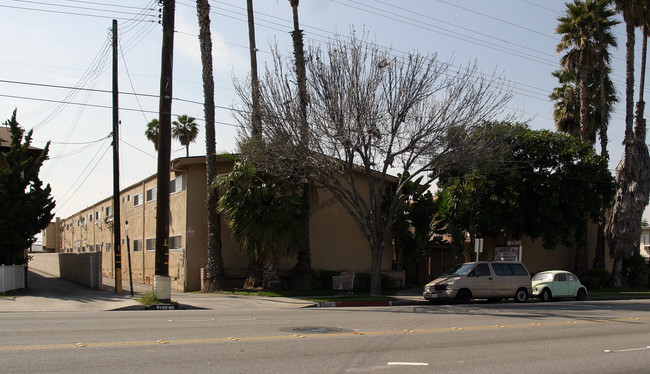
(592, 283)
(601, 274)
(149, 298)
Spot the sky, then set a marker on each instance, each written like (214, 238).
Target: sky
(55, 69)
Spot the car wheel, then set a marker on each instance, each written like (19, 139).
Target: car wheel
(521, 295)
(463, 296)
(581, 295)
(546, 295)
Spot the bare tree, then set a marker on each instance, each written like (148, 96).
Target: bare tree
(370, 113)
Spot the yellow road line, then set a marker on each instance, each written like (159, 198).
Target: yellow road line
(82, 345)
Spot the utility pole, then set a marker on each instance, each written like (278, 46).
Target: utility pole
(162, 282)
(116, 172)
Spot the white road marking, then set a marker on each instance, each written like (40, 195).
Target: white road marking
(627, 349)
(408, 363)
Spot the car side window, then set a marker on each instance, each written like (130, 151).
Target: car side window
(482, 270)
(560, 277)
(502, 269)
(572, 278)
(518, 269)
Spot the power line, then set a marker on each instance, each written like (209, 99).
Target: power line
(109, 107)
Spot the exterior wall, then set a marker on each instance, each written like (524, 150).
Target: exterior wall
(644, 242)
(52, 236)
(537, 258)
(336, 241)
(83, 268)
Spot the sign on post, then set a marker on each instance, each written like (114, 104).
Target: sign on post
(478, 246)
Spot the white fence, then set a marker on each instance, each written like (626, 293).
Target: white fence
(12, 277)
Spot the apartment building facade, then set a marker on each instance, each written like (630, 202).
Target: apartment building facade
(336, 241)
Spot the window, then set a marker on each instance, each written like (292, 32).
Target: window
(98, 215)
(176, 184)
(152, 194)
(509, 269)
(90, 217)
(109, 211)
(137, 199)
(502, 269)
(560, 277)
(137, 245)
(480, 270)
(176, 242)
(572, 278)
(150, 244)
(108, 247)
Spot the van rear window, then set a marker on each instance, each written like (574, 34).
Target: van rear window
(509, 269)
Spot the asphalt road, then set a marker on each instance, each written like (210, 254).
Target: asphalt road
(558, 337)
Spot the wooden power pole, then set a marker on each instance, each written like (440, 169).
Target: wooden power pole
(162, 282)
(116, 172)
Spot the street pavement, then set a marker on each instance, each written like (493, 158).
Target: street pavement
(46, 292)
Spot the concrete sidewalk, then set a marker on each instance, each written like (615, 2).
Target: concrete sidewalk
(53, 294)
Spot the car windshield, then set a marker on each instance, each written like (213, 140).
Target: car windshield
(543, 277)
(459, 270)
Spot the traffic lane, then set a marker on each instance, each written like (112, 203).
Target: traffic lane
(605, 346)
(69, 328)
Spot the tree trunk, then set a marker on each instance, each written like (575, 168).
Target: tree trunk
(599, 257)
(584, 99)
(302, 271)
(619, 237)
(616, 279)
(377, 251)
(270, 278)
(257, 123)
(254, 279)
(215, 273)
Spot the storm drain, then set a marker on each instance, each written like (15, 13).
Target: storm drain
(315, 330)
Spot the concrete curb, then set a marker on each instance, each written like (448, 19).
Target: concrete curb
(347, 304)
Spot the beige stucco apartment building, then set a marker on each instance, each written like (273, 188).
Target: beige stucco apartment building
(336, 241)
(337, 244)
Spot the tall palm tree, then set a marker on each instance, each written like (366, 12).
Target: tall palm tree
(302, 272)
(152, 132)
(633, 171)
(185, 130)
(257, 123)
(586, 30)
(586, 34)
(215, 273)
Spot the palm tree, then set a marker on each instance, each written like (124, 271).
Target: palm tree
(257, 123)
(586, 37)
(152, 132)
(215, 273)
(633, 171)
(265, 216)
(185, 130)
(302, 272)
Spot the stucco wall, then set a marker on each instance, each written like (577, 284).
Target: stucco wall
(82, 268)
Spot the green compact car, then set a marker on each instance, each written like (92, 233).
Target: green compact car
(551, 284)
